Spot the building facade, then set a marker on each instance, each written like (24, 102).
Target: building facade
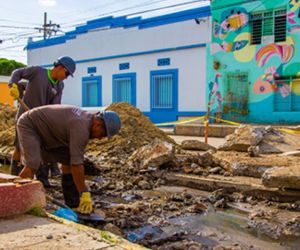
(157, 64)
(5, 97)
(253, 61)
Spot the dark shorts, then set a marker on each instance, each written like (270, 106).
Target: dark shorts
(32, 153)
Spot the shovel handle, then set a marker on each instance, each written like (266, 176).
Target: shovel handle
(22, 103)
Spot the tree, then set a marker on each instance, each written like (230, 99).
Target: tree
(8, 66)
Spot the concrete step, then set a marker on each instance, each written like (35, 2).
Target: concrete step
(215, 130)
(18, 196)
(246, 185)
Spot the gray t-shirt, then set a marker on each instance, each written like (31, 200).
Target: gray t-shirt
(39, 89)
(63, 126)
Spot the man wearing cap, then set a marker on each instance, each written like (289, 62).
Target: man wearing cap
(45, 136)
(43, 87)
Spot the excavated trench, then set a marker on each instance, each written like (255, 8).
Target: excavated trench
(152, 203)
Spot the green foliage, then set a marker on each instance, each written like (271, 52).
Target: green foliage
(8, 66)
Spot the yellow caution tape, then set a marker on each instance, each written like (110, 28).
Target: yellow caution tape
(179, 122)
(226, 121)
(289, 131)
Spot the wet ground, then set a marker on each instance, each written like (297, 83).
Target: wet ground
(183, 218)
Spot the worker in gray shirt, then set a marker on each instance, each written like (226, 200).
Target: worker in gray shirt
(45, 137)
(44, 86)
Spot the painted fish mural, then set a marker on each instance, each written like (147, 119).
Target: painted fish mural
(228, 47)
(285, 52)
(234, 22)
(294, 5)
(266, 84)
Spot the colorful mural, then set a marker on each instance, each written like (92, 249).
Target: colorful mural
(271, 65)
(215, 97)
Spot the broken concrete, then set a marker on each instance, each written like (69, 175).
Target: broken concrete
(245, 185)
(196, 145)
(282, 177)
(268, 139)
(154, 155)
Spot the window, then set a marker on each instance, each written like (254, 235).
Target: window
(124, 88)
(164, 89)
(268, 27)
(287, 96)
(91, 91)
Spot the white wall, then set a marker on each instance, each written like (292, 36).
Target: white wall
(191, 63)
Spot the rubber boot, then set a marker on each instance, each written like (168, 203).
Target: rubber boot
(71, 195)
(42, 175)
(15, 168)
(54, 170)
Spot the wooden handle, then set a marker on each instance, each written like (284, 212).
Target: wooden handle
(22, 103)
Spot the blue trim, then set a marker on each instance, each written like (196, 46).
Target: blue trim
(156, 117)
(84, 90)
(174, 72)
(193, 46)
(123, 66)
(133, 86)
(91, 70)
(163, 61)
(124, 22)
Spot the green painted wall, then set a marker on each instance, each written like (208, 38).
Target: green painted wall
(243, 87)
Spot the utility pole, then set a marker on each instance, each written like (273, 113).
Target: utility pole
(49, 28)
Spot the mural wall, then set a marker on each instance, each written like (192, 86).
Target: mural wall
(252, 64)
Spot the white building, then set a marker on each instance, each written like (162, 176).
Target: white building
(157, 64)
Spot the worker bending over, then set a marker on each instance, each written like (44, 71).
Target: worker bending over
(60, 133)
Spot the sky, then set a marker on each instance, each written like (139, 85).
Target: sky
(21, 19)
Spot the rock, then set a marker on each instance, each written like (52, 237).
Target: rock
(282, 177)
(215, 170)
(113, 229)
(49, 237)
(196, 145)
(241, 169)
(152, 155)
(144, 185)
(253, 151)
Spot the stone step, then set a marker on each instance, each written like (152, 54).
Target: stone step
(18, 196)
(247, 185)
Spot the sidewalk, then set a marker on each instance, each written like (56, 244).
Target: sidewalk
(28, 232)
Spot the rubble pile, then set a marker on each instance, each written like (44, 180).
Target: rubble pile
(7, 129)
(262, 140)
(112, 156)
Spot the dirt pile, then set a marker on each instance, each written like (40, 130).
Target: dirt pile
(7, 130)
(111, 156)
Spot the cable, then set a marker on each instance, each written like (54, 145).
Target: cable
(132, 7)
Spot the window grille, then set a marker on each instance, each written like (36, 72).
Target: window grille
(123, 89)
(268, 25)
(162, 91)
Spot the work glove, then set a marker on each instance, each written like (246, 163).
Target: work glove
(85, 203)
(14, 91)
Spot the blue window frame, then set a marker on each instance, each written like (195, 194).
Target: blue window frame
(92, 91)
(124, 88)
(164, 89)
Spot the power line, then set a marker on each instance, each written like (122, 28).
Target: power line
(117, 11)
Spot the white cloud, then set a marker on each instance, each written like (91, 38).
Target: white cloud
(47, 3)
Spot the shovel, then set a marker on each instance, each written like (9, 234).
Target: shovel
(69, 214)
